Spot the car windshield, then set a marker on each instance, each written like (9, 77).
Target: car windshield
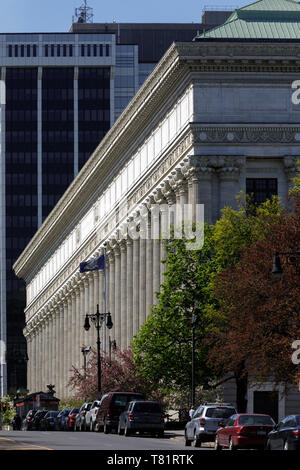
(53, 413)
(122, 400)
(219, 412)
(252, 420)
(147, 407)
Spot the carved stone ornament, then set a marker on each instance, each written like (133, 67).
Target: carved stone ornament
(246, 135)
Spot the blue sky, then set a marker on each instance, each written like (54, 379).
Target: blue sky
(56, 15)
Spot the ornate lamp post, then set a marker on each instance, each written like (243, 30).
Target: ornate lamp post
(98, 319)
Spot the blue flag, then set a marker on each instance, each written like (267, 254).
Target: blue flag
(93, 264)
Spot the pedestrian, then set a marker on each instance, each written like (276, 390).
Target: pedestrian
(191, 412)
(16, 422)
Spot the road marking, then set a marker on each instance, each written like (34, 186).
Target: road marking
(28, 446)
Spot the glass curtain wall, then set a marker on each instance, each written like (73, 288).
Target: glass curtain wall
(21, 205)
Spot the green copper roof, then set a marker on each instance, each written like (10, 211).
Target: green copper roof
(264, 19)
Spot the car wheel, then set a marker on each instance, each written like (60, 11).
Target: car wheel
(286, 446)
(217, 445)
(268, 445)
(196, 441)
(106, 428)
(127, 431)
(187, 441)
(161, 434)
(231, 445)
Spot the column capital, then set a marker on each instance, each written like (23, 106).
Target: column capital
(168, 192)
(290, 166)
(159, 196)
(231, 167)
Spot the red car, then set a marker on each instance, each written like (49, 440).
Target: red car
(244, 431)
(72, 418)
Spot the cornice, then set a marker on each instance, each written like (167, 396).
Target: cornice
(170, 74)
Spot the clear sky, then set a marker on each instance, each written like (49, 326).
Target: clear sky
(56, 15)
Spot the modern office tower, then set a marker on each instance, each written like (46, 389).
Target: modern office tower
(60, 94)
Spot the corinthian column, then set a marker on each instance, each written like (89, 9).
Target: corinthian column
(62, 348)
(149, 260)
(123, 332)
(117, 293)
(57, 345)
(291, 171)
(129, 294)
(199, 171)
(111, 298)
(135, 285)
(142, 266)
(229, 177)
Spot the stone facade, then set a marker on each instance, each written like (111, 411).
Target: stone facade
(210, 116)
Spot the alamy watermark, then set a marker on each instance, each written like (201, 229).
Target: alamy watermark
(296, 93)
(296, 353)
(162, 221)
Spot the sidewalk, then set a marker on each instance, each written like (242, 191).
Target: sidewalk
(178, 435)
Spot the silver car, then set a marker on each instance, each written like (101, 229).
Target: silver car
(90, 417)
(204, 422)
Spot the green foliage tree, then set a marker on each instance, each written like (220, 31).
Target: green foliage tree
(10, 412)
(162, 348)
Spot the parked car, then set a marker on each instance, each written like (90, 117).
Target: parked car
(204, 422)
(285, 435)
(36, 422)
(142, 416)
(112, 405)
(70, 421)
(48, 421)
(27, 422)
(90, 417)
(80, 424)
(244, 431)
(61, 419)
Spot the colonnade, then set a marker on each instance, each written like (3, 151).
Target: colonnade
(133, 275)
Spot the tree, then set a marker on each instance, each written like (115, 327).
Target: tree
(236, 230)
(162, 348)
(119, 374)
(260, 317)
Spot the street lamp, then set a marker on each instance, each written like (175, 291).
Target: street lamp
(85, 352)
(98, 319)
(292, 259)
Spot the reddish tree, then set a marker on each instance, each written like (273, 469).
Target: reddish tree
(117, 374)
(260, 315)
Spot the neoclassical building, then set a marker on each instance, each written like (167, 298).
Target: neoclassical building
(214, 117)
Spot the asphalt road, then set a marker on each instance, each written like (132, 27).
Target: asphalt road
(42, 440)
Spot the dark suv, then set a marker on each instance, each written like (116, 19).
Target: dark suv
(112, 405)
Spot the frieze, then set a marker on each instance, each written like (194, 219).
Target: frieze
(245, 135)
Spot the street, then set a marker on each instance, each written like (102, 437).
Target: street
(37, 440)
